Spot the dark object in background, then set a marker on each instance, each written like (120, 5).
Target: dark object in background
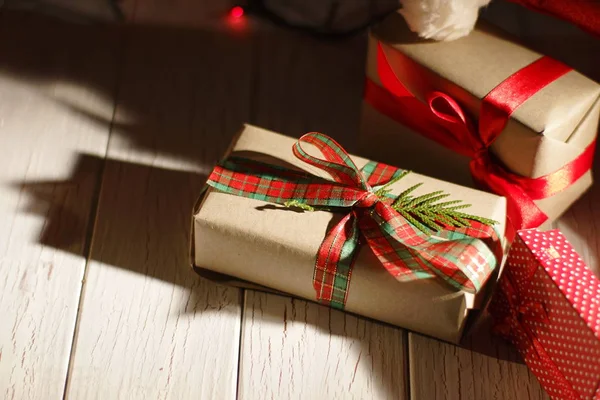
(583, 13)
(326, 16)
(82, 11)
(330, 17)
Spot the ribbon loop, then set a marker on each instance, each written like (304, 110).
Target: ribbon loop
(337, 162)
(445, 108)
(451, 117)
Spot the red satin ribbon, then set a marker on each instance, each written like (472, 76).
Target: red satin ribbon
(515, 327)
(443, 120)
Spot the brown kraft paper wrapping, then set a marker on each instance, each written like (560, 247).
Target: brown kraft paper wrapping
(549, 130)
(265, 245)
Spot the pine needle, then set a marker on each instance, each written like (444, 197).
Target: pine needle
(429, 214)
(384, 190)
(404, 196)
(298, 204)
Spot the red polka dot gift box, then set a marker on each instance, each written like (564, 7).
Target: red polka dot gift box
(548, 305)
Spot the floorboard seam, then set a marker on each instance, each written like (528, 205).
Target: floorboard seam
(253, 114)
(240, 342)
(407, 372)
(120, 49)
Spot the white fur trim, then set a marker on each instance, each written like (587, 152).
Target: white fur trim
(441, 19)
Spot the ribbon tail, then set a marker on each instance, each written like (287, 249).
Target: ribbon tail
(409, 254)
(522, 212)
(399, 260)
(335, 260)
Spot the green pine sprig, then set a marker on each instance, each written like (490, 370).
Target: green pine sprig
(430, 214)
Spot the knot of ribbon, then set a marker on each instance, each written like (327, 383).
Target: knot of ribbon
(443, 120)
(458, 256)
(516, 325)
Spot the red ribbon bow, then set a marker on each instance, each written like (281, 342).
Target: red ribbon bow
(516, 326)
(444, 121)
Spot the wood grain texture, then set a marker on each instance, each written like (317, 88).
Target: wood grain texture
(149, 327)
(45, 207)
(293, 349)
(484, 368)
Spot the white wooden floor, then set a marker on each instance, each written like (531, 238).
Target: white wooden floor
(106, 135)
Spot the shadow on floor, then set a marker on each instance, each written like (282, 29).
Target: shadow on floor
(142, 223)
(180, 97)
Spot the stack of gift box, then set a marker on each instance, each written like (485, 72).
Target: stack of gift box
(501, 141)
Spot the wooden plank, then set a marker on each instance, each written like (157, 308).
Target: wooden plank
(149, 327)
(292, 348)
(484, 368)
(47, 190)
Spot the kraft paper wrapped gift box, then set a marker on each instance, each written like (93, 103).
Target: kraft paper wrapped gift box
(549, 130)
(548, 305)
(253, 243)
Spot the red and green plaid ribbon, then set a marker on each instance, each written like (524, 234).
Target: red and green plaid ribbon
(458, 256)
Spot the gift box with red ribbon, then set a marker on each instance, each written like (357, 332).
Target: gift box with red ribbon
(547, 303)
(483, 111)
(305, 218)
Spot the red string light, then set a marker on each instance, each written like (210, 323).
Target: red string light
(236, 12)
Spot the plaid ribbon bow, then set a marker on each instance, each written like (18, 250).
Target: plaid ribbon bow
(456, 255)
